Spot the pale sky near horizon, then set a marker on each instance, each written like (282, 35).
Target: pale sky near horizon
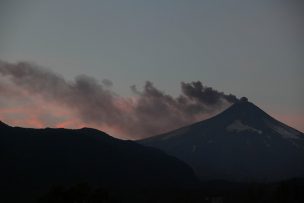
(250, 48)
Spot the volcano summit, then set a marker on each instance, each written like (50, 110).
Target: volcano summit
(243, 143)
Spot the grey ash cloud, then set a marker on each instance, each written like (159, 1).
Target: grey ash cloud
(107, 82)
(206, 95)
(151, 111)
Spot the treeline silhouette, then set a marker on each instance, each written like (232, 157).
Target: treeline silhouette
(79, 193)
(291, 191)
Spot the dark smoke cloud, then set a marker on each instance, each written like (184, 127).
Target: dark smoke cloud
(150, 112)
(206, 95)
(107, 82)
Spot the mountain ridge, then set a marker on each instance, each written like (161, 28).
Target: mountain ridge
(34, 160)
(2, 124)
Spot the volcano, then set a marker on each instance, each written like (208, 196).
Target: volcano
(243, 143)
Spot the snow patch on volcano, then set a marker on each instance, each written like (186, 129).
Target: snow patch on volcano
(238, 126)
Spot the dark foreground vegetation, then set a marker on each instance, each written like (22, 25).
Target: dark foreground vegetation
(291, 191)
(89, 166)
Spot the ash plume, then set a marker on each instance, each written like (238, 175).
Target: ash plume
(206, 95)
(150, 112)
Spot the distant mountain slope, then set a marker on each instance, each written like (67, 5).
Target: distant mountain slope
(32, 160)
(242, 143)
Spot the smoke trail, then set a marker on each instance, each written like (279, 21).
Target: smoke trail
(150, 112)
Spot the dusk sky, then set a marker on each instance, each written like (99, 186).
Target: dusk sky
(251, 48)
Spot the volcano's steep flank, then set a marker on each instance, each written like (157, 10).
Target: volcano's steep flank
(243, 143)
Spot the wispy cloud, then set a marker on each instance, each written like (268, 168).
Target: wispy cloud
(54, 101)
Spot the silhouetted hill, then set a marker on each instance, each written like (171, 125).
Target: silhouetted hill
(34, 160)
(242, 143)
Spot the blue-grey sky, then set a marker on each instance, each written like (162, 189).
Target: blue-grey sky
(250, 48)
